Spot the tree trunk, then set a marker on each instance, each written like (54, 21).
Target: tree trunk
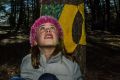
(37, 9)
(115, 6)
(21, 16)
(92, 13)
(107, 15)
(12, 15)
(119, 5)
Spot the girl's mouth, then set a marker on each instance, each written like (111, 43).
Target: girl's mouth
(48, 36)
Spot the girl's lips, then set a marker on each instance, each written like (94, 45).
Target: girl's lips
(48, 36)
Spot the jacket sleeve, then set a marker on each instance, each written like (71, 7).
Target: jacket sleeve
(77, 72)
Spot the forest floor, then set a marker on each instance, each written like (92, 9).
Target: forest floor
(102, 57)
(13, 47)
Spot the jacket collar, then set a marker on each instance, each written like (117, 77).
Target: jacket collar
(53, 59)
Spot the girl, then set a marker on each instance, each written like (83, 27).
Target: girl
(48, 53)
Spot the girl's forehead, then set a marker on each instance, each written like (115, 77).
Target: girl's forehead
(47, 24)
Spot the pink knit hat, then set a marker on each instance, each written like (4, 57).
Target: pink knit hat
(42, 20)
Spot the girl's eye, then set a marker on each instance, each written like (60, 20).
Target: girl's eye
(53, 28)
(42, 28)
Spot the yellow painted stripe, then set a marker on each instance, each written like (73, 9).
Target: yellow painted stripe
(66, 20)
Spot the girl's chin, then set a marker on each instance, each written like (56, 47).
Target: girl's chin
(48, 46)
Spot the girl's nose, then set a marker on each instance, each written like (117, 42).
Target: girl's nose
(48, 30)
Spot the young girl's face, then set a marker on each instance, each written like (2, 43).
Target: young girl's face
(47, 35)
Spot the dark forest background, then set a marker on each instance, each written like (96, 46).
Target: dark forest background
(102, 20)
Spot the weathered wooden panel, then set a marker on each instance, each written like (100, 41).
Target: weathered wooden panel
(70, 14)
